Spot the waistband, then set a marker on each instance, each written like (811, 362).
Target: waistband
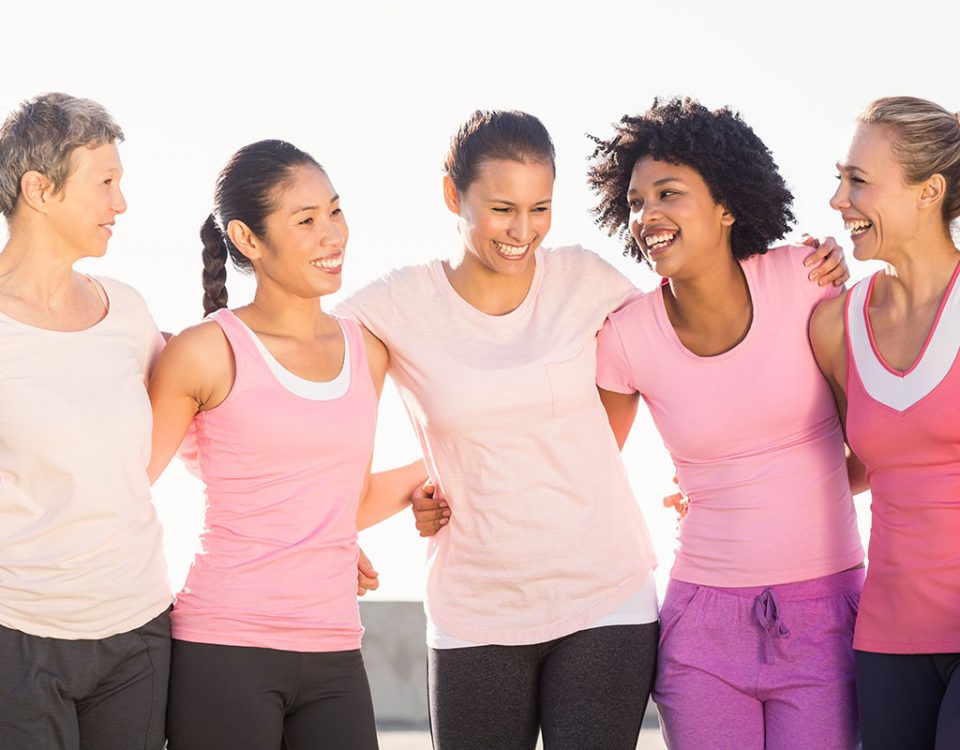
(847, 581)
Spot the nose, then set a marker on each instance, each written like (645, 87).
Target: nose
(335, 236)
(520, 228)
(648, 213)
(841, 197)
(119, 203)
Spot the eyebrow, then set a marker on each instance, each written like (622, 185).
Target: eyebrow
(510, 203)
(333, 200)
(850, 168)
(658, 183)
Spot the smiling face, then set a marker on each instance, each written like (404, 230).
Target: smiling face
(674, 219)
(306, 236)
(82, 213)
(504, 214)
(879, 207)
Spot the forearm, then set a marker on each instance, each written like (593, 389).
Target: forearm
(388, 492)
(856, 473)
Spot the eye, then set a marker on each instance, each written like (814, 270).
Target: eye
(667, 193)
(502, 210)
(337, 211)
(108, 181)
(306, 222)
(634, 205)
(858, 180)
(541, 209)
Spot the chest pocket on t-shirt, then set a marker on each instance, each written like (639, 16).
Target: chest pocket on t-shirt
(573, 381)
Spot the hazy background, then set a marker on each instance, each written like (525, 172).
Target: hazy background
(373, 90)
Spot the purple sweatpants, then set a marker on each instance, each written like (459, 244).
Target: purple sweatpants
(765, 668)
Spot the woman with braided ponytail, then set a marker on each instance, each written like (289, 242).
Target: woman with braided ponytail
(282, 398)
(890, 349)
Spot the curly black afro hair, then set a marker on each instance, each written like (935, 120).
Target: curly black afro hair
(736, 165)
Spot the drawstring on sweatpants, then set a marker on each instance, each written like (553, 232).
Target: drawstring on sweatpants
(767, 611)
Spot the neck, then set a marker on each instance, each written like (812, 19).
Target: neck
(712, 297)
(920, 268)
(31, 267)
(274, 311)
(490, 292)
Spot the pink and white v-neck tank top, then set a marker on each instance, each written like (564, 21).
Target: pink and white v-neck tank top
(905, 426)
(284, 469)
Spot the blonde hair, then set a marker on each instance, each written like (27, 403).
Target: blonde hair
(926, 142)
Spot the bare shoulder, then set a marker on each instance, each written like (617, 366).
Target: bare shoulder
(827, 320)
(198, 360)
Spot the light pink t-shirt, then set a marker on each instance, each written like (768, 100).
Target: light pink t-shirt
(905, 426)
(283, 475)
(545, 535)
(81, 549)
(753, 433)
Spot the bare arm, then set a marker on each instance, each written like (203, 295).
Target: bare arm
(621, 412)
(194, 371)
(388, 492)
(828, 341)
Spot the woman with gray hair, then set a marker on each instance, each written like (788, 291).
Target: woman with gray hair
(84, 628)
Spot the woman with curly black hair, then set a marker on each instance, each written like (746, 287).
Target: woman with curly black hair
(757, 624)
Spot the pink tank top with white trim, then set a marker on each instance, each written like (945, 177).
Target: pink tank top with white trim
(283, 475)
(905, 426)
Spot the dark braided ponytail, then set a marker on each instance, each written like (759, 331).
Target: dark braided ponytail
(245, 191)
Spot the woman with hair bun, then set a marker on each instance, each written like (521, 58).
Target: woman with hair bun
(282, 398)
(84, 626)
(757, 622)
(890, 348)
(541, 603)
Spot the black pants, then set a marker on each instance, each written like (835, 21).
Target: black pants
(585, 690)
(103, 694)
(242, 698)
(909, 701)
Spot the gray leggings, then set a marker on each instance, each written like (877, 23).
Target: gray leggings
(585, 690)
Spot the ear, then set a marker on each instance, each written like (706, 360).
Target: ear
(36, 189)
(244, 240)
(932, 191)
(450, 195)
(727, 219)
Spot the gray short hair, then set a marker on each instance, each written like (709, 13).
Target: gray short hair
(41, 134)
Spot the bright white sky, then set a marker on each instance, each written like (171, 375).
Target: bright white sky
(374, 89)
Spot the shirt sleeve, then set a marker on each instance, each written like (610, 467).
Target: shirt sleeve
(613, 368)
(372, 307)
(616, 289)
(812, 291)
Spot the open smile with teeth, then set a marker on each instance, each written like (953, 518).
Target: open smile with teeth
(857, 227)
(511, 251)
(659, 240)
(331, 263)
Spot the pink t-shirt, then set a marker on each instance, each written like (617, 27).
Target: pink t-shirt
(753, 433)
(905, 426)
(545, 536)
(283, 477)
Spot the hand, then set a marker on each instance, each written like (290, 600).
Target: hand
(678, 501)
(367, 578)
(827, 263)
(431, 513)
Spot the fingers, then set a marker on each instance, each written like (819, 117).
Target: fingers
(367, 577)
(431, 520)
(827, 262)
(679, 502)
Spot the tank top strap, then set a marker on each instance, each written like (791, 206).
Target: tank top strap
(359, 368)
(247, 360)
(855, 324)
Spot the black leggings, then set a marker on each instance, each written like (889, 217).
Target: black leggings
(586, 690)
(909, 701)
(242, 698)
